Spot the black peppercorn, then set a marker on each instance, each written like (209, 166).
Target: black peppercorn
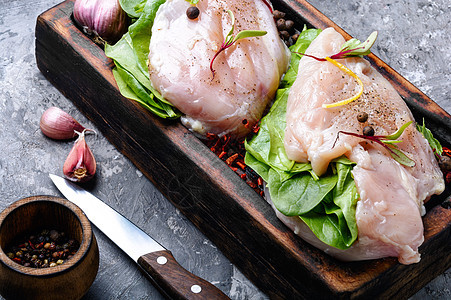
(445, 163)
(368, 131)
(278, 14)
(284, 34)
(192, 12)
(362, 117)
(289, 24)
(281, 24)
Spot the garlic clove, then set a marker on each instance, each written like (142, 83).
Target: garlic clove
(104, 18)
(80, 164)
(57, 124)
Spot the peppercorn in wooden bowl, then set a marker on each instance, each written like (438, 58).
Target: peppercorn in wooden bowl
(47, 250)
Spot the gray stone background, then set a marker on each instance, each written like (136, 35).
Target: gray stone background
(414, 38)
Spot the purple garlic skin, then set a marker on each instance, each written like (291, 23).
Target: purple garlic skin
(80, 164)
(59, 125)
(104, 18)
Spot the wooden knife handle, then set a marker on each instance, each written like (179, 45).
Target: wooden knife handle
(174, 281)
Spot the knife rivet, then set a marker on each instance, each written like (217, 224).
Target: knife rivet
(162, 260)
(196, 289)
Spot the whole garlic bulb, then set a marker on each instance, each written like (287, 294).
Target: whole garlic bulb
(104, 18)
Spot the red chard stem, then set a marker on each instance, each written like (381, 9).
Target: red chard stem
(386, 142)
(268, 5)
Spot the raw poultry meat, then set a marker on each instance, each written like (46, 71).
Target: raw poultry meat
(247, 74)
(391, 195)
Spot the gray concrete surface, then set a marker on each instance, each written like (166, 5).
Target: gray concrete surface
(414, 38)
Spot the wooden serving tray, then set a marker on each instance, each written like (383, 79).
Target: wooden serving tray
(240, 223)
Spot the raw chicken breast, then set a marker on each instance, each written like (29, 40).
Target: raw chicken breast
(391, 195)
(247, 74)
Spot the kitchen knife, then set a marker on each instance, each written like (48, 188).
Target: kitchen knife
(156, 261)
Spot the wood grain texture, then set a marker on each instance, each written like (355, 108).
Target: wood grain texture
(70, 280)
(214, 198)
(174, 281)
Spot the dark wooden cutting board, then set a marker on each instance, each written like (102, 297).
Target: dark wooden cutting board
(214, 198)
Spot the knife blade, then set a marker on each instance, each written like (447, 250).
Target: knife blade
(158, 263)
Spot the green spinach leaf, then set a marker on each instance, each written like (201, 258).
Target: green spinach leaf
(133, 8)
(130, 55)
(302, 43)
(300, 194)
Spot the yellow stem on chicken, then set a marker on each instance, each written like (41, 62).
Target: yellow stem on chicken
(349, 72)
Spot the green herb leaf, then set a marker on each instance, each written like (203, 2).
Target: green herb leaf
(249, 33)
(400, 156)
(229, 40)
(193, 2)
(396, 153)
(391, 142)
(399, 132)
(388, 142)
(232, 17)
(433, 142)
(353, 47)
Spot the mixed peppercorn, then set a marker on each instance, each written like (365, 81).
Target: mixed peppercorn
(444, 161)
(48, 248)
(286, 29)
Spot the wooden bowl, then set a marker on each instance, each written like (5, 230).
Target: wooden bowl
(70, 280)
